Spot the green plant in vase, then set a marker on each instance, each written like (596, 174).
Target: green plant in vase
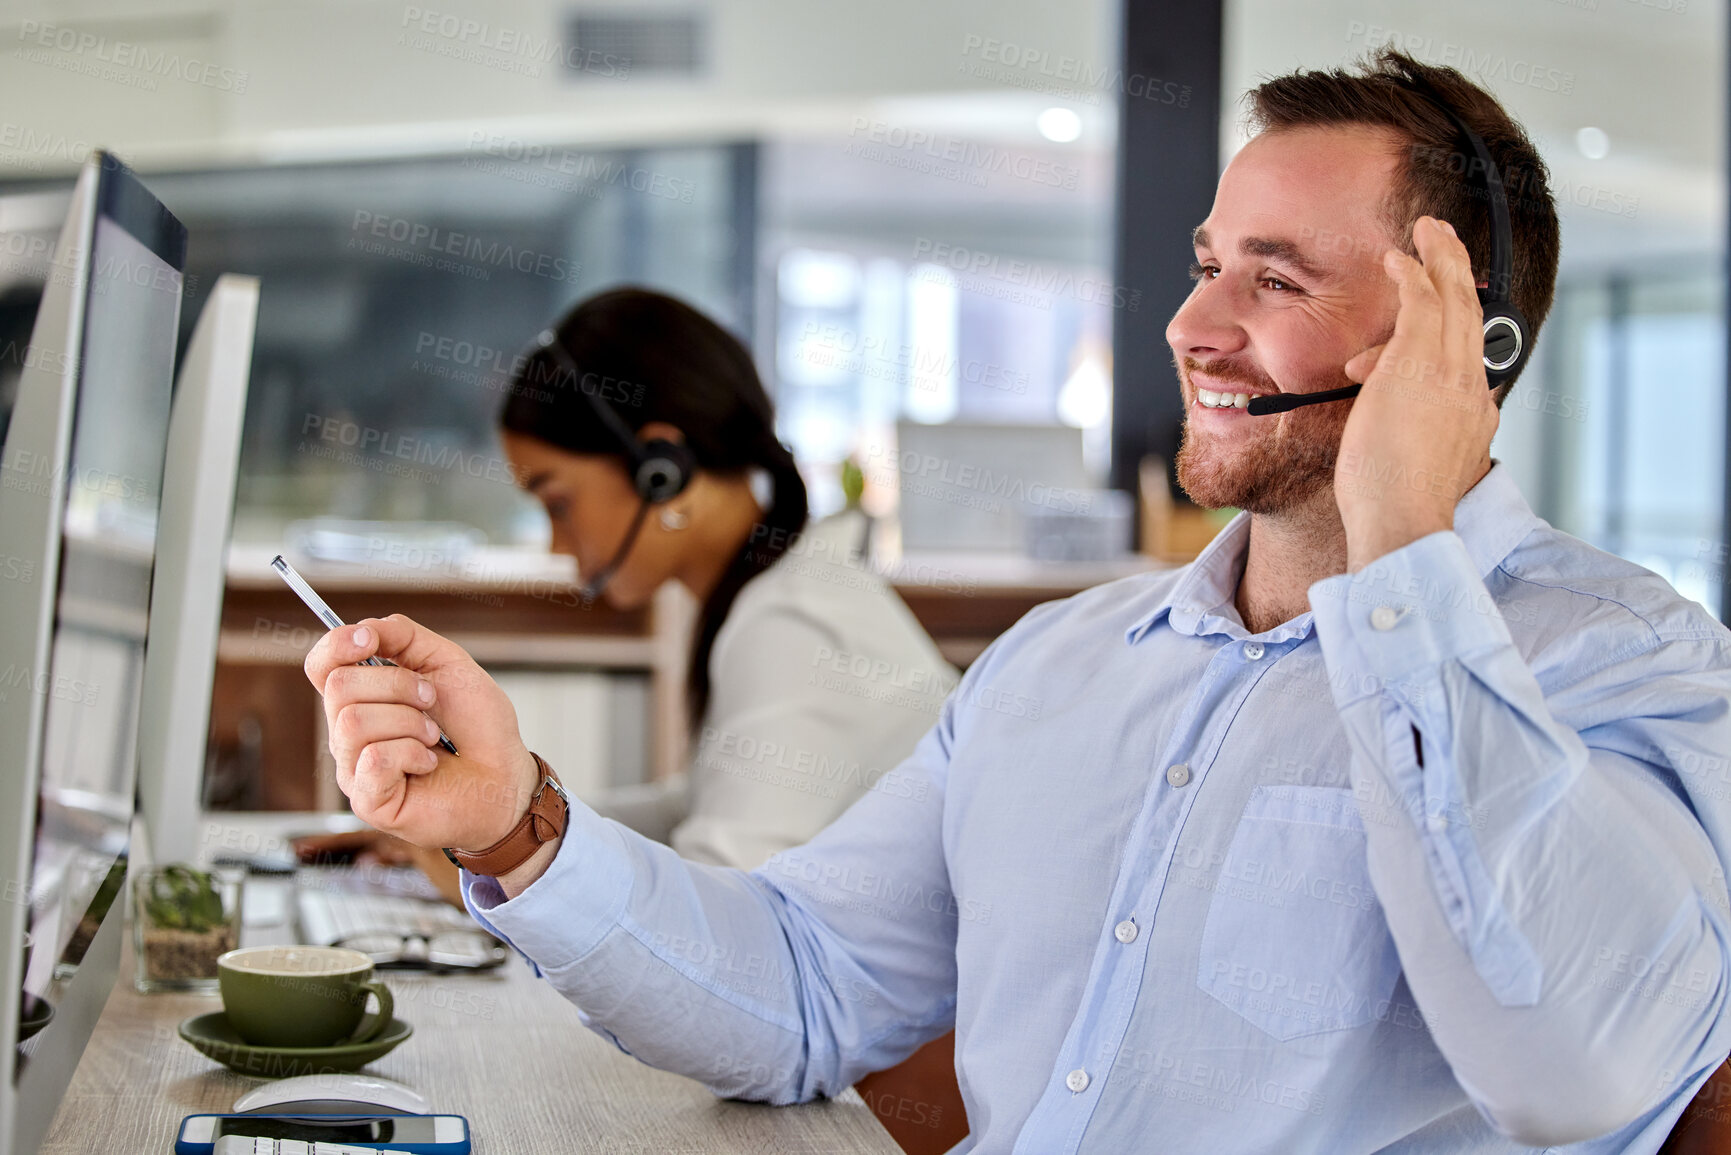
(185, 922)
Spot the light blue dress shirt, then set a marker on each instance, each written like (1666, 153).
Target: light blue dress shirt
(1436, 867)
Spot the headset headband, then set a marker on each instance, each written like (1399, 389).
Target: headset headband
(660, 469)
(1501, 273)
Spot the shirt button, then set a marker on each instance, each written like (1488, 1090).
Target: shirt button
(1077, 1080)
(1125, 932)
(1438, 822)
(1253, 650)
(1178, 775)
(1384, 617)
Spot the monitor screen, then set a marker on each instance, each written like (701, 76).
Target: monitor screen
(112, 486)
(18, 304)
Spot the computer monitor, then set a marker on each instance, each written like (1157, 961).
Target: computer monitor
(80, 479)
(965, 486)
(186, 595)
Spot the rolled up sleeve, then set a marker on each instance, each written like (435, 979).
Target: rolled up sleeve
(1534, 860)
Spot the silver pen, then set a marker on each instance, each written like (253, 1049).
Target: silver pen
(328, 616)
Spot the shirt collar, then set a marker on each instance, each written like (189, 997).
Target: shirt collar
(1491, 520)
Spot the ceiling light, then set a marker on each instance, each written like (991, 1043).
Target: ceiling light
(1060, 125)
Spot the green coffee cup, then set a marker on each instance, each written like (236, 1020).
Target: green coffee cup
(301, 996)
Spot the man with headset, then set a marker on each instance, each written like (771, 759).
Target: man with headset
(1396, 820)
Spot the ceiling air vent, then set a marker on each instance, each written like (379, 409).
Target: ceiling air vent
(661, 44)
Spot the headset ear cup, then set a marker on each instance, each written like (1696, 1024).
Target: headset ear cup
(1508, 342)
(664, 469)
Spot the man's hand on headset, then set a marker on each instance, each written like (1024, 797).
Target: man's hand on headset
(1420, 431)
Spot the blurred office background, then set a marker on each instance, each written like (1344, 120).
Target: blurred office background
(951, 231)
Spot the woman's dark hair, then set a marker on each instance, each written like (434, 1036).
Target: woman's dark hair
(649, 357)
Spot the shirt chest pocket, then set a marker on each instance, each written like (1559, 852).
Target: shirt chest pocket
(1295, 940)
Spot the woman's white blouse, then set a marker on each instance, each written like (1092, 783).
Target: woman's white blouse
(821, 681)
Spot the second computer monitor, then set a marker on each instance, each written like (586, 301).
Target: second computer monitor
(186, 596)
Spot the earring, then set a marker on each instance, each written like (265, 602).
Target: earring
(674, 519)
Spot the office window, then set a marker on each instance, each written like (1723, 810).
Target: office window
(936, 268)
(863, 342)
(1636, 423)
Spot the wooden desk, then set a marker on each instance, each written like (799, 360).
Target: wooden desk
(503, 1049)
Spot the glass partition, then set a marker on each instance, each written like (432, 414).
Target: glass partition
(395, 296)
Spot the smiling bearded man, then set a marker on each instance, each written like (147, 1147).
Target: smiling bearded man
(1394, 822)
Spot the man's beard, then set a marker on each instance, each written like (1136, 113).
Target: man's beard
(1288, 461)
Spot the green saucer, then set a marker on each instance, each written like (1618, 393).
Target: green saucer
(213, 1037)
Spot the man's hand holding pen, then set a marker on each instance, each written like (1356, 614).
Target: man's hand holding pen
(384, 724)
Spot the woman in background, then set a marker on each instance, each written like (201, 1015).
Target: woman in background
(783, 603)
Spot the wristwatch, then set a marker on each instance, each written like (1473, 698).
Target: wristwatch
(544, 822)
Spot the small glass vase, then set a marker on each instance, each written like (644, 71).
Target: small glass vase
(183, 920)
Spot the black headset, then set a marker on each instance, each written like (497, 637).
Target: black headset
(1508, 337)
(660, 469)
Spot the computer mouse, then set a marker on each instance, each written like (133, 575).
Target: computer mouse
(332, 1094)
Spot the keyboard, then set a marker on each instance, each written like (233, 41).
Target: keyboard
(328, 915)
(242, 1145)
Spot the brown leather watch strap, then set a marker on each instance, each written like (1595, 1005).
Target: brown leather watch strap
(544, 822)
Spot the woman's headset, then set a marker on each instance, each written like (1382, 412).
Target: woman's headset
(660, 469)
(1508, 339)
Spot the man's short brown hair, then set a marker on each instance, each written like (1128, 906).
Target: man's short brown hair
(1439, 176)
